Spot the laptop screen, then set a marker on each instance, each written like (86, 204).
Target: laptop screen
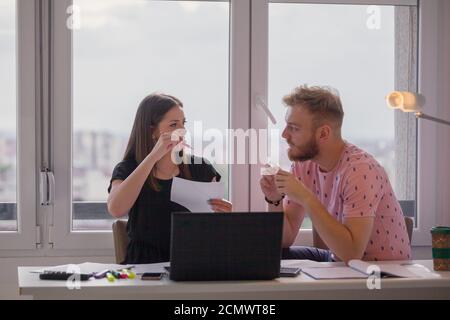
(229, 246)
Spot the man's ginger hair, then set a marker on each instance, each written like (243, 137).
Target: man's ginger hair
(323, 103)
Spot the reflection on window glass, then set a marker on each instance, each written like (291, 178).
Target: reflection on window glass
(337, 46)
(8, 158)
(123, 51)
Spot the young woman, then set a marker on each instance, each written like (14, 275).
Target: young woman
(141, 183)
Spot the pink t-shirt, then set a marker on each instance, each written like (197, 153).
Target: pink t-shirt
(358, 186)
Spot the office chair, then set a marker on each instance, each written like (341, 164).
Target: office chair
(119, 228)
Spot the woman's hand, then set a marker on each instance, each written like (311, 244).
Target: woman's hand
(164, 145)
(220, 205)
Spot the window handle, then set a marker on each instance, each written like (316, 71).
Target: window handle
(43, 188)
(47, 187)
(51, 184)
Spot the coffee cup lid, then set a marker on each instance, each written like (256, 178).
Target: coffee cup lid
(440, 230)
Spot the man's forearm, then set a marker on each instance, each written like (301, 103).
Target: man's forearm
(288, 237)
(335, 235)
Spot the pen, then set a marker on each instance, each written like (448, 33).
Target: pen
(101, 274)
(186, 145)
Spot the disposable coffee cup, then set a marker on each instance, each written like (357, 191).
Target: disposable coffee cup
(441, 248)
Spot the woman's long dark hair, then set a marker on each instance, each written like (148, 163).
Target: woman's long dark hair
(148, 116)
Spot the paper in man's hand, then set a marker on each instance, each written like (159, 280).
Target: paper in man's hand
(270, 169)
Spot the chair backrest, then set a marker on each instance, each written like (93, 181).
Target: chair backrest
(409, 222)
(121, 240)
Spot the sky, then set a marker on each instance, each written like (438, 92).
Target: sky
(331, 45)
(125, 50)
(7, 66)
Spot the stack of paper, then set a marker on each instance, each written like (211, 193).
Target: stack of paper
(85, 268)
(91, 267)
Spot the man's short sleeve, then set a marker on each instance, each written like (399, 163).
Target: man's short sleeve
(362, 191)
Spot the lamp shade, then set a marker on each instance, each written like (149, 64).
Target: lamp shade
(405, 101)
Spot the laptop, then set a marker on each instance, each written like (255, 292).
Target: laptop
(225, 246)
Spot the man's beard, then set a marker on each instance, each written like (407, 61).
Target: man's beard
(303, 153)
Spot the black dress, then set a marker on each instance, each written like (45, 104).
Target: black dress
(149, 219)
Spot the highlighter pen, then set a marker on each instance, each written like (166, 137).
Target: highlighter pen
(110, 277)
(126, 272)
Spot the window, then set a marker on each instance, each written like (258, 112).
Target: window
(122, 51)
(18, 194)
(354, 49)
(8, 120)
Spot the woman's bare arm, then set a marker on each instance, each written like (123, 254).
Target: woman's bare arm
(124, 193)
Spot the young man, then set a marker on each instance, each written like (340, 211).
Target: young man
(344, 190)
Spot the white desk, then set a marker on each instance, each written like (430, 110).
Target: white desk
(301, 287)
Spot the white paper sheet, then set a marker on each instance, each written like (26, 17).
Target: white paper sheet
(334, 273)
(270, 169)
(86, 267)
(300, 264)
(360, 269)
(402, 270)
(194, 195)
(91, 267)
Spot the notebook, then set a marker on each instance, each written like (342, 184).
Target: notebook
(229, 246)
(358, 269)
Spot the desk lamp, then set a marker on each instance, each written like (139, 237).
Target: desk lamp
(410, 102)
(413, 102)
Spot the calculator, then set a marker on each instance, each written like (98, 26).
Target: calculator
(60, 275)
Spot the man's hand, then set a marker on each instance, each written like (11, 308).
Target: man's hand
(269, 188)
(291, 186)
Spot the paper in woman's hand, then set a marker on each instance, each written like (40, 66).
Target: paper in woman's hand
(194, 195)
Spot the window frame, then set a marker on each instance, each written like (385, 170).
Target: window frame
(27, 235)
(428, 150)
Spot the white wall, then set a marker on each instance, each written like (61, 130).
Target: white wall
(443, 100)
